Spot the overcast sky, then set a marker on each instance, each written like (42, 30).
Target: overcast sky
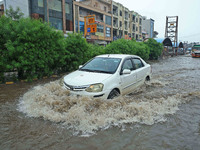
(188, 12)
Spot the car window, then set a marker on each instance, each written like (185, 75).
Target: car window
(103, 65)
(127, 65)
(137, 63)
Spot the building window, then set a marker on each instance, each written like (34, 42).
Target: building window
(81, 26)
(120, 13)
(140, 21)
(133, 27)
(108, 20)
(108, 32)
(67, 8)
(55, 5)
(76, 24)
(104, 8)
(136, 19)
(133, 17)
(120, 23)
(100, 28)
(56, 23)
(40, 3)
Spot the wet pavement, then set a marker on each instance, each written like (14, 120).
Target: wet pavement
(163, 114)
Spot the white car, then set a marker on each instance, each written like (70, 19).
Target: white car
(107, 76)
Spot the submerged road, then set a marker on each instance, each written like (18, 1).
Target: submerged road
(164, 114)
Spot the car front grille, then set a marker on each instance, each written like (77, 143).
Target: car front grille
(74, 88)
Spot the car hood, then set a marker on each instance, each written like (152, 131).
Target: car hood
(81, 78)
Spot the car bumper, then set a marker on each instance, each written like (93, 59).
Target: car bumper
(102, 95)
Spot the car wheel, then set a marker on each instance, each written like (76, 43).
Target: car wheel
(147, 80)
(114, 93)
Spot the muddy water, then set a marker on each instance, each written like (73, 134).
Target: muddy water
(163, 114)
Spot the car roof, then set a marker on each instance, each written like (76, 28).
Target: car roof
(117, 56)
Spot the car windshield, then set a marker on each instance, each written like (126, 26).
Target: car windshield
(102, 65)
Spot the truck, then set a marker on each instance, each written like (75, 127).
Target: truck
(196, 51)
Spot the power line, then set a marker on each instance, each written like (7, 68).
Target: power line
(192, 35)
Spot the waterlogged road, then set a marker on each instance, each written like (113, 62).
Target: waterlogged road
(164, 114)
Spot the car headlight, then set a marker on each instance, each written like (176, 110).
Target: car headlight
(95, 88)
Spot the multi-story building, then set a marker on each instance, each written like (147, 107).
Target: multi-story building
(113, 19)
(136, 25)
(58, 13)
(103, 18)
(126, 24)
(148, 27)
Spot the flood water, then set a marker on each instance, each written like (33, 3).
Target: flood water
(163, 114)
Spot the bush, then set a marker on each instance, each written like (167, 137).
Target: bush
(30, 48)
(95, 50)
(132, 47)
(155, 49)
(33, 49)
(77, 51)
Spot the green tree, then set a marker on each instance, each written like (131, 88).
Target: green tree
(155, 49)
(37, 49)
(14, 14)
(123, 46)
(77, 51)
(6, 33)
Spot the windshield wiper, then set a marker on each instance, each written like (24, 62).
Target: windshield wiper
(101, 71)
(88, 70)
(98, 71)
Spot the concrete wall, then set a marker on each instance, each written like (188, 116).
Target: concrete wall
(22, 4)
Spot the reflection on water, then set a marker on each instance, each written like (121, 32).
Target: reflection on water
(163, 114)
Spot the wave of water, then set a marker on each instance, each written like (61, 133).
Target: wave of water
(86, 116)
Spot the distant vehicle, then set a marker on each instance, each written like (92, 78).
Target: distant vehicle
(196, 51)
(108, 76)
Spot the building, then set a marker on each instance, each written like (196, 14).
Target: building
(103, 18)
(58, 13)
(113, 20)
(148, 27)
(126, 24)
(1, 8)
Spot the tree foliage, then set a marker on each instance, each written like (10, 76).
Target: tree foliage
(77, 48)
(33, 49)
(14, 14)
(30, 48)
(123, 46)
(155, 49)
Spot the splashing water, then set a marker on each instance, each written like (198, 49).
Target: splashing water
(87, 116)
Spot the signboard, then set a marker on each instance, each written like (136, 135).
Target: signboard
(88, 29)
(92, 28)
(91, 20)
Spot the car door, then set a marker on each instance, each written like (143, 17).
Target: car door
(128, 81)
(141, 70)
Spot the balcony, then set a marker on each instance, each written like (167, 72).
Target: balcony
(106, 1)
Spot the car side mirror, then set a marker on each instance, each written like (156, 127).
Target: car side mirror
(80, 66)
(126, 71)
